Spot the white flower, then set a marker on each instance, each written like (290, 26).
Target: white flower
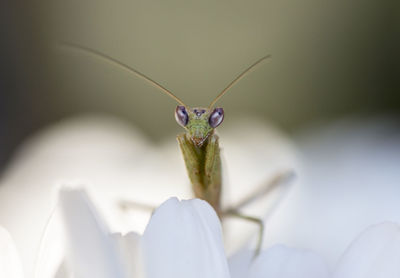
(278, 261)
(184, 239)
(91, 252)
(374, 254)
(10, 265)
(347, 181)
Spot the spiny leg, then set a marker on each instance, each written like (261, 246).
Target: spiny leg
(193, 159)
(263, 190)
(203, 165)
(258, 221)
(212, 173)
(127, 205)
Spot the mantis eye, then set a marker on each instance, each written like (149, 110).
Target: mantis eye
(181, 115)
(216, 117)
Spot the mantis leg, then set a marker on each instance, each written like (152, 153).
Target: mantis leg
(253, 196)
(204, 169)
(263, 190)
(193, 160)
(258, 221)
(133, 205)
(212, 173)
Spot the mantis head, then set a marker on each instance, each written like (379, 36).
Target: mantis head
(199, 122)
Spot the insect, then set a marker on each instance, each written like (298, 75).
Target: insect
(200, 144)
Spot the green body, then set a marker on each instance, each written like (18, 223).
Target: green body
(201, 154)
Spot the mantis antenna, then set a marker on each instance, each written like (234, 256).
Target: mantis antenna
(240, 76)
(121, 65)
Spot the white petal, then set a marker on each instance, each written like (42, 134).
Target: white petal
(239, 263)
(92, 251)
(99, 149)
(374, 254)
(183, 239)
(52, 248)
(10, 265)
(278, 262)
(130, 248)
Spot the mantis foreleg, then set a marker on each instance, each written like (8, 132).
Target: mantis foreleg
(212, 173)
(204, 169)
(253, 219)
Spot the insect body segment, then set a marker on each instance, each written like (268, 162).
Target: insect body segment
(199, 122)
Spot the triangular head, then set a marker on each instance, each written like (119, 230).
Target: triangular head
(199, 122)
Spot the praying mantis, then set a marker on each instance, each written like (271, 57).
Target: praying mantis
(200, 144)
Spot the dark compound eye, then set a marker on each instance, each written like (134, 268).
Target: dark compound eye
(216, 117)
(181, 115)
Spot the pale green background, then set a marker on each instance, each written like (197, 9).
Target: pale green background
(329, 59)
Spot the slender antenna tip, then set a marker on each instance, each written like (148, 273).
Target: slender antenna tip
(240, 76)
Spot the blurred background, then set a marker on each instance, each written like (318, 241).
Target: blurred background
(330, 59)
